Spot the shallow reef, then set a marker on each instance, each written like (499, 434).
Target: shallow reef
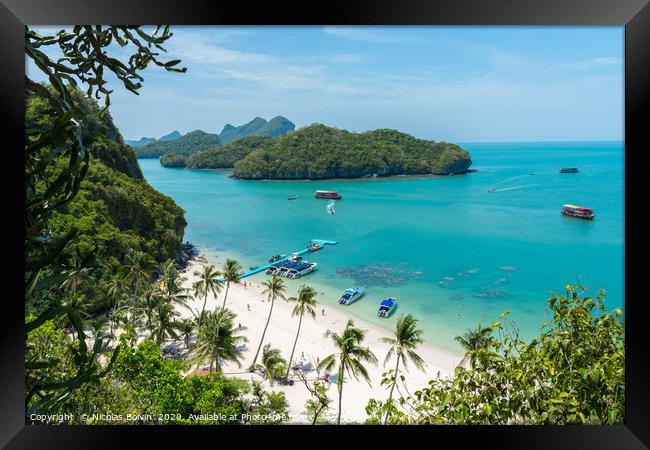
(383, 274)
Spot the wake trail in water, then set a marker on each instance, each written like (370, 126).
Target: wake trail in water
(514, 188)
(512, 179)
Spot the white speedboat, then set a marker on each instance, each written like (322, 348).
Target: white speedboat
(351, 295)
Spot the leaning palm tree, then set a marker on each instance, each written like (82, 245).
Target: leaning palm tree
(474, 340)
(407, 337)
(271, 359)
(349, 357)
(208, 282)
(219, 340)
(274, 288)
(231, 271)
(139, 266)
(306, 301)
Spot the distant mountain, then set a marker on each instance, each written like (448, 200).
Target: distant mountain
(140, 143)
(146, 140)
(185, 145)
(171, 136)
(277, 126)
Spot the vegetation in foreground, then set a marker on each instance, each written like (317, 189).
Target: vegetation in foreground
(573, 373)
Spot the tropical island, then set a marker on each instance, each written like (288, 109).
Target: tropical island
(320, 152)
(117, 322)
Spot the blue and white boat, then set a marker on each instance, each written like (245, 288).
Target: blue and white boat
(386, 307)
(351, 295)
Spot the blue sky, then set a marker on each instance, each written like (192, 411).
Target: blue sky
(457, 84)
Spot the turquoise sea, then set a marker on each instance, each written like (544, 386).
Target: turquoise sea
(452, 253)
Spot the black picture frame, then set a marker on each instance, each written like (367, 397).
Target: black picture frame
(633, 14)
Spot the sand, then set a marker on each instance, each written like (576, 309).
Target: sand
(312, 345)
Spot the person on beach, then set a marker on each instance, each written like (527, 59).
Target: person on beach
(248, 306)
(323, 311)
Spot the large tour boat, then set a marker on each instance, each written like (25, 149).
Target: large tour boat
(582, 212)
(328, 194)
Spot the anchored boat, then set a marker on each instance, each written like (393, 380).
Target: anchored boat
(328, 194)
(581, 212)
(569, 170)
(386, 307)
(351, 295)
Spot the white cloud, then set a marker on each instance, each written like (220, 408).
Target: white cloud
(589, 63)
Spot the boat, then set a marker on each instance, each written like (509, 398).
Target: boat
(292, 197)
(275, 258)
(328, 194)
(303, 268)
(351, 295)
(569, 170)
(491, 190)
(277, 266)
(581, 212)
(330, 207)
(386, 307)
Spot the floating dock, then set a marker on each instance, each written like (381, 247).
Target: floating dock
(314, 245)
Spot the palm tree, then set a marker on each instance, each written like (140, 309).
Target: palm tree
(474, 340)
(208, 282)
(350, 356)
(407, 337)
(75, 273)
(139, 266)
(271, 358)
(163, 322)
(274, 287)
(117, 288)
(172, 279)
(306, 301)
(219, 340)
(231, 271)
(186, 328)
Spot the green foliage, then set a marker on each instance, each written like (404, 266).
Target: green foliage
(219, 340)
(267, 407)
(67, 137)
(173, 160)
(185, 145)
(154, 391)
(318, 151)
(223, 156)
(573, 373)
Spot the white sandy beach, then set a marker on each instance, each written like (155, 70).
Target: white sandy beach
(312, 343)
